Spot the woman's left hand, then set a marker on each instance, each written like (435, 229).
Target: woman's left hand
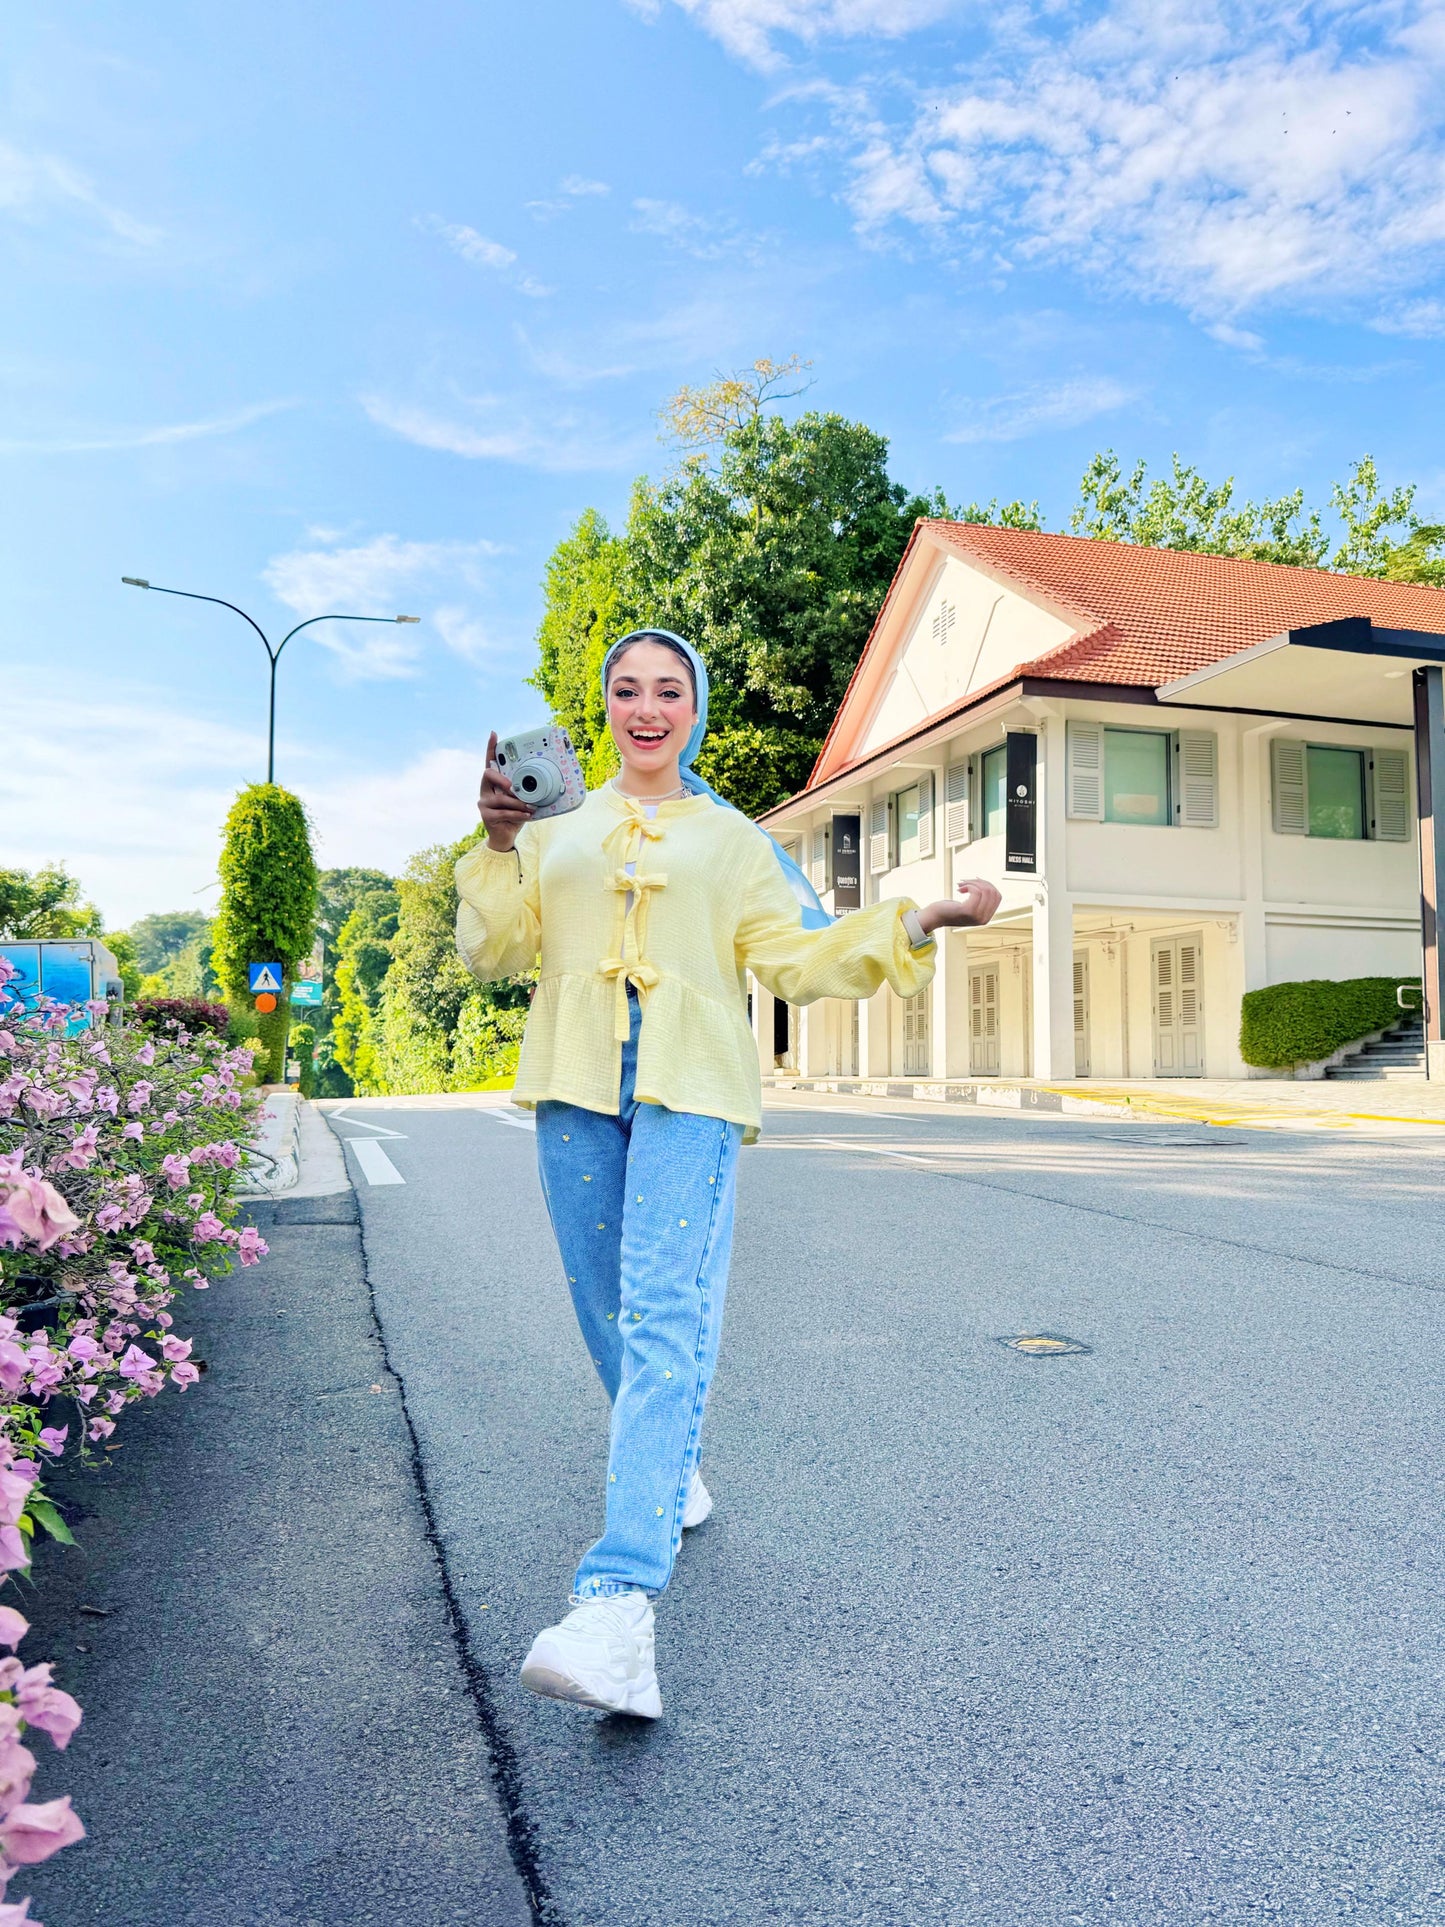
(977, 902)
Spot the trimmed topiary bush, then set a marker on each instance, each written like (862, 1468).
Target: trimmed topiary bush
(1288, 1024)
(188, 1013)
(303, 1049)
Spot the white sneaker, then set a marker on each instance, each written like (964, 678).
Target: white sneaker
(699, 1503)
(600, 1655)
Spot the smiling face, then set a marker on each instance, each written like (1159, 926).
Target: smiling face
(650, 711)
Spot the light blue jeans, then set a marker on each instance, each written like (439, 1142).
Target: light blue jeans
(642, 1207)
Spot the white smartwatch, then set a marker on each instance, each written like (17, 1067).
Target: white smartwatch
(917, 935)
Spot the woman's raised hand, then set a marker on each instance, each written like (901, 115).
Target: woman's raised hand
(977, 901)
(498, 805)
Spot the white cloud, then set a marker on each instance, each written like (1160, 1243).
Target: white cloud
(581, 188)
(1224, 156)
(371, 579)
(162, 437)
(1244, 339)
(1422, 319)
(574, 188)
(562, 444)
(34, 185)
(479, 252)
(1068, 404)
(168, 777)
(751, 28)
(703, 237)
(464, 634)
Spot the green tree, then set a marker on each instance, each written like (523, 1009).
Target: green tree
(161, 937)
(1183, 511)
(121, 946)
(44, 903)
(363, 957)
(268, 904)
(585, 611)
(1370, 516)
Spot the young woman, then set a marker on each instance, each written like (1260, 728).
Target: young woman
(647, 905)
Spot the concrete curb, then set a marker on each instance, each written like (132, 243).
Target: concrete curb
(273, 1160)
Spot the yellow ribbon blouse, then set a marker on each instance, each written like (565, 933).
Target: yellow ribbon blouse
(707, 902)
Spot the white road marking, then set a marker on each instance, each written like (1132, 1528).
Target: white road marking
(343, 1118)
(376, 1166)
(519, 1120)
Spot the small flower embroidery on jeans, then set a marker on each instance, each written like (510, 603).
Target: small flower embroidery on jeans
(587, 1177)
(659, 1512)
(682, 1222)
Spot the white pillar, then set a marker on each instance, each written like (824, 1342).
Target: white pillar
(873, 1038)
(949, 1015)
(1053, 945)
(1053, 984)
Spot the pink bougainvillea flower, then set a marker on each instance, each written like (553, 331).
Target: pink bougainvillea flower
(206, 1229)
(252, 1247)
(13, 1366)
(176, 1348)
(146, 1054)
(133, 1130)
(47, 1707)
(29, 1834)
(14, 1553)
(13, 1627)
(175, 1170)
(52, 1438)
(83, 1346)
(17, 1765)
(135, 1363)
(16, 1913)
(184, 1375)
(99, 1428)
(110, 1217)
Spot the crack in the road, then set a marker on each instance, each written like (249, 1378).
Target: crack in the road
(506, 1771)
(932, 1169)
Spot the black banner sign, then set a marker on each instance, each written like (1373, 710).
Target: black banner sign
(847, 836)
(1021, 827)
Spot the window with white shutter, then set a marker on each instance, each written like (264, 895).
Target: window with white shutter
(1197, 788)
(1390, 795)
(925, 814)
(1287, 768)
(878, 852)
(956, 787)
(818, 867)
(1085, 778)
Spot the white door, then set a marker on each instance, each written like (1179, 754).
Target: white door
(983, 1020)
(1178, 1007)
(1081, 1013)
(915, 1035)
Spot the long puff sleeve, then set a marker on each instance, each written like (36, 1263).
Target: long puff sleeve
(499, 912)
(850, 959)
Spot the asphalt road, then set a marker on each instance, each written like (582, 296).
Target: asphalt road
(1150, 1633)
(280, 1727)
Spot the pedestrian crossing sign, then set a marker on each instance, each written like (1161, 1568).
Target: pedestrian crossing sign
(264, 976)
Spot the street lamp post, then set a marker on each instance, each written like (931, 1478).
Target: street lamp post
(273, 655)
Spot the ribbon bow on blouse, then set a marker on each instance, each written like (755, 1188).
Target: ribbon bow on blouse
(630, 966)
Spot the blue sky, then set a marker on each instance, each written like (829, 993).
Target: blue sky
(352, 306)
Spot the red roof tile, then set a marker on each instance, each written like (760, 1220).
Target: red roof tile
(1145, 616)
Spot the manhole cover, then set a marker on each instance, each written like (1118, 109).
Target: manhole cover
(1045, 1344)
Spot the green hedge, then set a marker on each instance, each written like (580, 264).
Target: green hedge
(1289, 1024)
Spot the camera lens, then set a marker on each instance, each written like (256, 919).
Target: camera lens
(537, 782)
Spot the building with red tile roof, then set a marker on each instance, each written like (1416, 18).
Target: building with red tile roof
(1208, 791)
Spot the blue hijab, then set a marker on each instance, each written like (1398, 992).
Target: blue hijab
(813, 915)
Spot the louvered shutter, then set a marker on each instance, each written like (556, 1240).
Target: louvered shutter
(956, 786)
(925, 814)
(1198, 807)
(1085, 787)
(1391, 795)
(818, 868)
(1291, 803)
(878, 836)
